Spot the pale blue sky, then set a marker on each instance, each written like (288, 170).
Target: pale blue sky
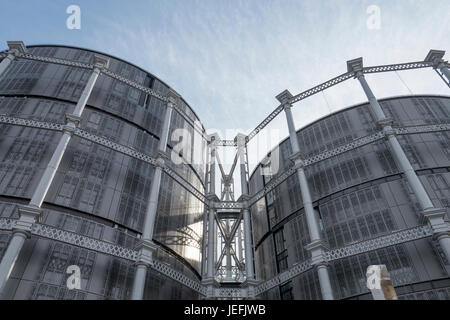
(229, 59)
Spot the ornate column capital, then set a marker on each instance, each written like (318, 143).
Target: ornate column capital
(145, 248)
(435, 217)
(297, 158)
(285, 99)
(69, 128)
(71, 118)
(172, 98)
(435, 57)
(356, 66)
(317, 249)
(241, 140)
(212, 138)
(16, 47)
(101, 62)
(386, 125)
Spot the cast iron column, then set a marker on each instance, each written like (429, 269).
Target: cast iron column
(211, 196)
(317, 246)
(146, 246)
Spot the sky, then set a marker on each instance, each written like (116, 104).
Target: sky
(229, 59)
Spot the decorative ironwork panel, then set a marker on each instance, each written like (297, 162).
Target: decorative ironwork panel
(265, 122)
(344, 148)
(380, 242)
(177, 276)
(115, 146)
(133, 84)
(64, 62)
(227, 205)
(236, 274)
(238, 293)
(287, 275)
(398, 67)
(347, 251)
(225, 143)
(6, 223)
(83, 241)
(31, 123)
(423, 129)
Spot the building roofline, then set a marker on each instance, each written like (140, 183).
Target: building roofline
(117, 58)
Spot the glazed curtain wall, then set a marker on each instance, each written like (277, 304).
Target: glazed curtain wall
(94, 183)
(357, 196)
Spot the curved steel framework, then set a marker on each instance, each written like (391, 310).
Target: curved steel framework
(224, 214)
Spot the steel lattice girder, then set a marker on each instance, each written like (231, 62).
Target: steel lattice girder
(397, 237)
(291, 273)
(380, 242)
(266, 121)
